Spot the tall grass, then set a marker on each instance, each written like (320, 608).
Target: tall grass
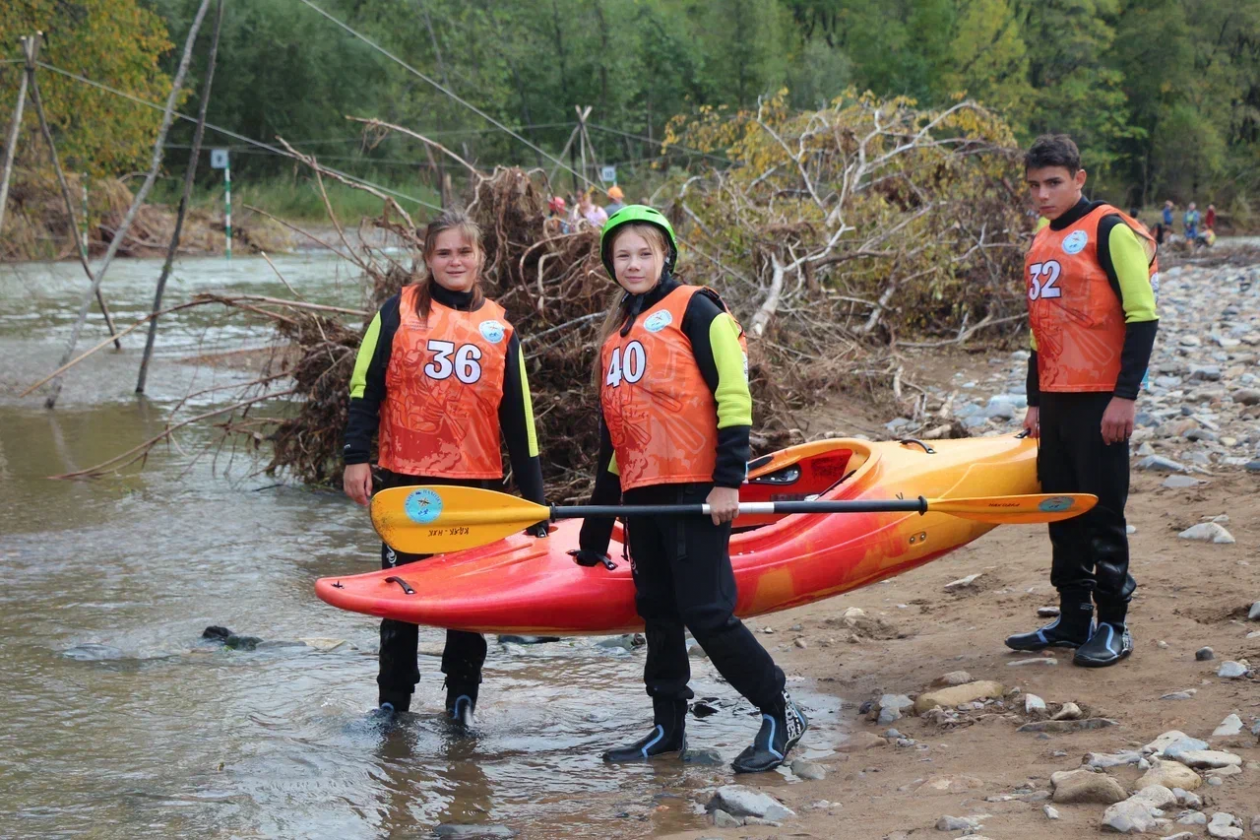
(298, 199)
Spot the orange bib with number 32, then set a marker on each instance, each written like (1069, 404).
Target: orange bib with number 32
(660, 413)
(1074, 313)
(443, 386)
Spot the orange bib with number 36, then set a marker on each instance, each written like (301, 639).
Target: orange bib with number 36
(1074, 313)
(443, 386)
(660, 413)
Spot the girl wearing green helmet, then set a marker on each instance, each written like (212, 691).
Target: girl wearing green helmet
(672, 375)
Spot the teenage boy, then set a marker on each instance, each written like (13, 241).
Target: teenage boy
(1090, 276)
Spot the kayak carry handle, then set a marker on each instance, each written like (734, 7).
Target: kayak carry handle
(406, 587)
(916, 442)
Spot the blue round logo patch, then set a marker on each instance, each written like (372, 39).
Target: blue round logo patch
(1056, 504)
(492, 331)
(1075, 242)
(658, 321)
(423, 506)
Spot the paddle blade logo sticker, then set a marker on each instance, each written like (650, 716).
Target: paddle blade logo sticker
(658, 321)
(1057, 504)
(423, 506)
(1075, 242)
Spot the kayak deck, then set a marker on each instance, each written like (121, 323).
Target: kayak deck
(531, 586)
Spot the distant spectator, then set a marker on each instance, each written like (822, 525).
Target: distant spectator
(1209, 220)
(1190, 221)
(557, 218)
(1168, 215)
(1160, 232)
(615, 193)
(592, 212)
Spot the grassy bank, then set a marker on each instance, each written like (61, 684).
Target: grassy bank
(298, 199)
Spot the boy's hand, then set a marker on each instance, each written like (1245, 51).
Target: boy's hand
(1117, 421)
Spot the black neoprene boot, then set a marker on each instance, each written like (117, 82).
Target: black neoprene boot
(1071, 629)
(667, 736)
(1110, 643)
(781, 728)
(394, 701)
(461, 702)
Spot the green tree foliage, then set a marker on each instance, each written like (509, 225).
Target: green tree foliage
(118, 42)
(1163, 96)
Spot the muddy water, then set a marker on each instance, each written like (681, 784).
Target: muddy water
(116, 720)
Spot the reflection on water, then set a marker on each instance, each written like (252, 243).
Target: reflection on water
(119, 721)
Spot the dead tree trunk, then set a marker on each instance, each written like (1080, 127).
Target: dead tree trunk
(190, 174)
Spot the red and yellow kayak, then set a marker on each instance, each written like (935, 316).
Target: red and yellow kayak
(531, 586)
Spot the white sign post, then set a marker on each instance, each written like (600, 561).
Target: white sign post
(608, 174)
(219, 160)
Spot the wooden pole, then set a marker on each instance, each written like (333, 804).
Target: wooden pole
(10, 143)
(80, 245)
(158, 148)
(190, 174)
(582, 138)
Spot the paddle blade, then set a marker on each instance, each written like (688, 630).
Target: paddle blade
(1017, 510)
(432, 519)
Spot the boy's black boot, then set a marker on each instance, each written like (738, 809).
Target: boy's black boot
(1071, 629)
(461, 702)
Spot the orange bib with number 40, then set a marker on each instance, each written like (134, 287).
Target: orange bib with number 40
(443, 386)
(660, 413)
(1074, 313)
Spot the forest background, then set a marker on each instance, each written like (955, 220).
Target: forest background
(1163, 96)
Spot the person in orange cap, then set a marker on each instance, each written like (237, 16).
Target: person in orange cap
(616, 201)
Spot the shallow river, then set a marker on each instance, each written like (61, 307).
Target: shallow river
(116, 720)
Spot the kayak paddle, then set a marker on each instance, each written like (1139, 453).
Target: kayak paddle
(438, 519)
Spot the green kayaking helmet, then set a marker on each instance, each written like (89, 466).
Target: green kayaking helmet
(636, 214)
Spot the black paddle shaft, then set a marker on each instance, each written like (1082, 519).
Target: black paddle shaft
(918, 505)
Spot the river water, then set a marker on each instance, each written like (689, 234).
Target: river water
(117, 720)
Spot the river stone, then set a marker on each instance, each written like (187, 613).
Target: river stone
(740, 801)
(1204, 759)
(1187, 799)
(1204, 654)
(1158, 462)
(1180, 482)
(1192, 818)
(1170, 774)
(963, 583)
(1033, 704)
(1225, 826)
(1139, 814)
(1101, 761)
(1084, 786)
(1051, 812)
(702, 757)
(1232, 670)
(959, 694)
(1207, 532)
(896, 702)
(1254, 613)
(808, 770)
(948, 823)
(1043, 661)
(1247, 396)
(952, 678)
(1232, 725)
(1171, 737)
(1255, 825)
(473, 832)
(1068, 725)
(1069, 711)
(721, 819)
(859, 741)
